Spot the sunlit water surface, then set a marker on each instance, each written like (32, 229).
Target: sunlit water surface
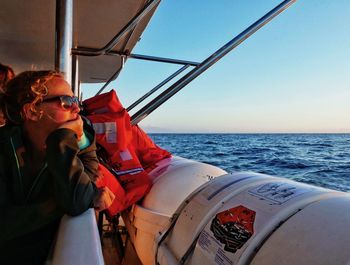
(318, 159)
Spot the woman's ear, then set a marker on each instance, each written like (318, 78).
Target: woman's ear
(31, 112)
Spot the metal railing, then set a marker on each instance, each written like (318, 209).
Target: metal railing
(157, 87)
(216, 56)
(149, 58)
(116, 39)
(114, 76)
(162, 59)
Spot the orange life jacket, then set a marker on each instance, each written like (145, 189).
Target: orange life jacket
(125, 148)
(113, 133)
(113, 130)
(107, 179)
(103, 103)
(146, 150)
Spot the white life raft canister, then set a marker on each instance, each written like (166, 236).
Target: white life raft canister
(247, 218)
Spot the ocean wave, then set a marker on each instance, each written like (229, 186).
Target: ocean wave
(221, 154)
(320, 160)
(209, 142)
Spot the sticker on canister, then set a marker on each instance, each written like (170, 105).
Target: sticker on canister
(233, 227)
(278, 192)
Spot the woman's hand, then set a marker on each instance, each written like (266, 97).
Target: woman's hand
(75, 125)
(104, 200)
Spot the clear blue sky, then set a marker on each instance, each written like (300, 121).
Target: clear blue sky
(293, 75)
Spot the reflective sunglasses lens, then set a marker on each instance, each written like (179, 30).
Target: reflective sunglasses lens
(67, 101)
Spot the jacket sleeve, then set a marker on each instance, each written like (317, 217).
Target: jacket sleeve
(18, 220)
(72, 170)
(15, 219)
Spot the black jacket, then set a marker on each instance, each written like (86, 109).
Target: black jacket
(32, 205)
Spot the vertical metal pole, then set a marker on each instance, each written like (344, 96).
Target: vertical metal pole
(75, 75)
(80, 93)
(64, 38)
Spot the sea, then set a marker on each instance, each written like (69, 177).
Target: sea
(318, 159)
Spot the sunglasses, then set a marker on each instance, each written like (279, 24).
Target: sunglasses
(66, 101)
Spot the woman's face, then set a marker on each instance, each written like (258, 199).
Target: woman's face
(54, 114)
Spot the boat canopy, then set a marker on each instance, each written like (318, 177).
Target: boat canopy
(89, 41)
(28, 34)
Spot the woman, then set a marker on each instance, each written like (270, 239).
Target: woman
(44, 173)
(6, 74)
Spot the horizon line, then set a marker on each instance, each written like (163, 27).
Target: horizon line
(248, 132)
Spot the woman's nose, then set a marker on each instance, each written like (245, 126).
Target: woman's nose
(76, 108)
